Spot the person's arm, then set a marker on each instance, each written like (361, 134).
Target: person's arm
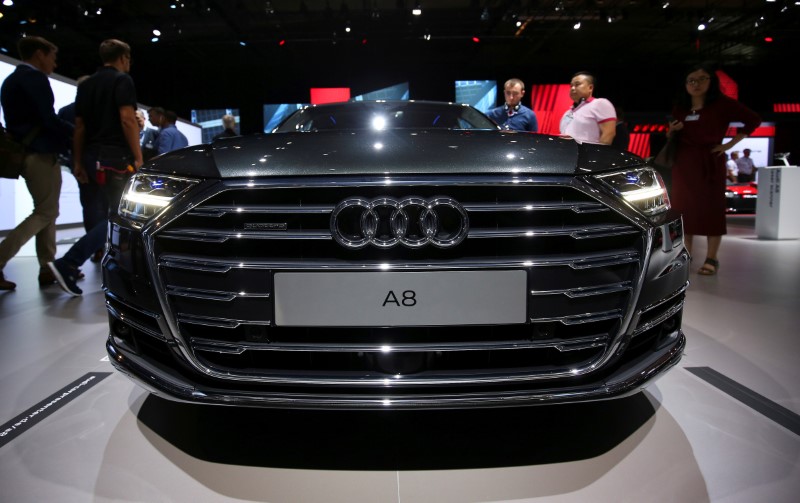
(737, 112)
(607, 131)
(130, 128)
(78, 140)
(718, 149)
(533, 127)
(164, 143)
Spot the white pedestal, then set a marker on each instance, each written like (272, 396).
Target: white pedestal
(778, 204)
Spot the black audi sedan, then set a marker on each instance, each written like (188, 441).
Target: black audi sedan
(395, 255)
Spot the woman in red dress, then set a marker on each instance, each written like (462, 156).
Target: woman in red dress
(701, 117)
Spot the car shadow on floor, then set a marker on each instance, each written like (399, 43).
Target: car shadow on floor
(396, 440)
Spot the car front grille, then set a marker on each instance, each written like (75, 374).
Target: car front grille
(216, 264)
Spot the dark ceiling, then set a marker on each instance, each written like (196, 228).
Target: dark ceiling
(242, 53)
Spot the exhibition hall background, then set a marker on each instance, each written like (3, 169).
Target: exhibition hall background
(243, 54)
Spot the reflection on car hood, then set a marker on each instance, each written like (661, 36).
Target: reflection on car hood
(396, 152)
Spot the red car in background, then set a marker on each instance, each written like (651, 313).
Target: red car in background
(741, 197)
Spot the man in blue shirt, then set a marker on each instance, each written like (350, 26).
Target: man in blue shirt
(513, 114)
(170, 138)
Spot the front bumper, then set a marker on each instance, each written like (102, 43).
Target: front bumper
(629, 378)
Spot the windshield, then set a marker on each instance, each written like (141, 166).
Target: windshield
(385, 115)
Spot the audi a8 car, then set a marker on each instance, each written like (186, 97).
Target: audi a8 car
(394, 255)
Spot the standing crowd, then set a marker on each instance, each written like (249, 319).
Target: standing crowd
(104, 135)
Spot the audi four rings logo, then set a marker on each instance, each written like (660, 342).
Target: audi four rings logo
(413, 222)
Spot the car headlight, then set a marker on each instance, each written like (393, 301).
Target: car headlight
(642, 188)
(145, 194)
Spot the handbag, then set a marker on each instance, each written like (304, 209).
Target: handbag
(12, 153)
(664, 159)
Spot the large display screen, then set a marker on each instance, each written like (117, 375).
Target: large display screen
(210, 121)
(481, 94)
(395, 92)
(275, 113)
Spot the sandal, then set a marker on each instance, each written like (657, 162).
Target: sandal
(709, 268)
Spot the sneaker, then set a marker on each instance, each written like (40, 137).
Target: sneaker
(5, 284)
(66, 276)
(46, 277)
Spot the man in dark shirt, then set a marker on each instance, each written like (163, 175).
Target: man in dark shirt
(229, 123)
(106, 131)
(93, 203)
(105, 146)
(27, 101)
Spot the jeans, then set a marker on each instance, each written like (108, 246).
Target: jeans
(111, 181)
(85, 247)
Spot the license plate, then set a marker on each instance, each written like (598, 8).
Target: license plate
(392, 299)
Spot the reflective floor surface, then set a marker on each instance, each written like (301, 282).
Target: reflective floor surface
(723, 426)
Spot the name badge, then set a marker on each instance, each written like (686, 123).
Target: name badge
(692, 117)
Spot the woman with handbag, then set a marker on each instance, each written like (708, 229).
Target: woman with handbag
(701, 117)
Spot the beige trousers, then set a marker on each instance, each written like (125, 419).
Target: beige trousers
(42, 175)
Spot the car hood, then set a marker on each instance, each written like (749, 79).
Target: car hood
(393, 152)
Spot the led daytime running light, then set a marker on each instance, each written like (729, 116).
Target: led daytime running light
(641, 194)
(148, 199)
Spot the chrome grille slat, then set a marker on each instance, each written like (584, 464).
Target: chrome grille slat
(577, 207)
(200, 344)
(222, 236)
(221, 210)
(582, 318)
(587, 291)
(211, 321)
(574, 232)
(197, 293)
(577, 262)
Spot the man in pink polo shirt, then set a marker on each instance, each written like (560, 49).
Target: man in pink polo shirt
(589, 119)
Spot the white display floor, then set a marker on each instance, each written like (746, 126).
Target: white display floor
(723, 426)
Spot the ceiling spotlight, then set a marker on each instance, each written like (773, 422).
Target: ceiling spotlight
(768, 39)
(242, 43)
(665, 5)
(485, 14)
(99, 11)
(156, 32)
(701, 26)
(154, 39)
(8, 3)
(519, 23)
(269, 9)
(427, 35)
(576, 26)
(476, 40)
(417, 11)
(347, 27)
